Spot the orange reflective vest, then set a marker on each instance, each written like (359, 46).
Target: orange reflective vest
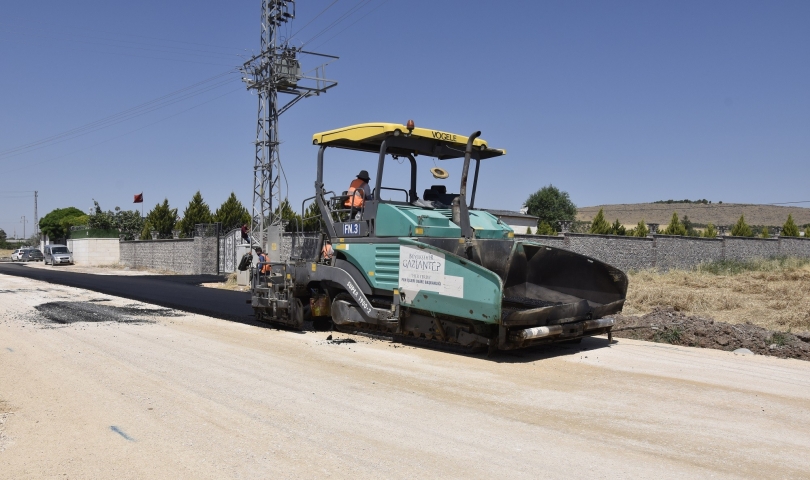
(359, 199)
(264, 267)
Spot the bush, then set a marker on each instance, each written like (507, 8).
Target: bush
(790, 229)
(545, 229)
(675, 226)
(710, 231)
(741, 229)
(640, 231)
(764, 233)
(600, 226)
(528, 230)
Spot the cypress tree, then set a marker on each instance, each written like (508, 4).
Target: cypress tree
(232, 214)
(741, 229)
(675, 226)
(790, 229)
(641, 229)
(196, 212)
(617, 228)
(162, 218)
(599, 225)
(528, 230)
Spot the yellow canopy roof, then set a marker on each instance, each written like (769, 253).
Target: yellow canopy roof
(419, 141)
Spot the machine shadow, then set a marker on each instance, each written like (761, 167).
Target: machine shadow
(544, 352)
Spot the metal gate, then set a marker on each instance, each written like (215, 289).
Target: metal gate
(227, 251)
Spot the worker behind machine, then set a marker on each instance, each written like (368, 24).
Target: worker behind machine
(357, 200)
(263, 264)
(328, 252)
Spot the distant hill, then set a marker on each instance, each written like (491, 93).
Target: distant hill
(699, 213)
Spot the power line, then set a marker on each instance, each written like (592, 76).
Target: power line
(313, 19)
(132, 112)
(28, 165)
(347, 14)
(352, 24)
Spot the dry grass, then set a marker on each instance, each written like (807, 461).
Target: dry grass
(773, 294)
(5, 253)
(719, 214)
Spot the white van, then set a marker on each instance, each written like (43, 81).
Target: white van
(58, 255)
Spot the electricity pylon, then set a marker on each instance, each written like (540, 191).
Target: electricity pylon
(275, 69)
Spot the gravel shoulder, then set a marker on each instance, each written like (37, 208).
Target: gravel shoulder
(119, 388)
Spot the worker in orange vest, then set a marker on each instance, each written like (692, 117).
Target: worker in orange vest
(327, 251)
(357, 200)
(264, 263)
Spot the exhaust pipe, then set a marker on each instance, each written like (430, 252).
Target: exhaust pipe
(552, 330)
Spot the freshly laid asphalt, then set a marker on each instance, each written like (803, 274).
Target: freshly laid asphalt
(181, 292)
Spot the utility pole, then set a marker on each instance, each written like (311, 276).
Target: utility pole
(275, 69)
(36, 218)
(23, 221)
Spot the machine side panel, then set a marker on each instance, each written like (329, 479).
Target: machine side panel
(450, 285)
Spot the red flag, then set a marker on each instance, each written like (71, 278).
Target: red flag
(138, 198)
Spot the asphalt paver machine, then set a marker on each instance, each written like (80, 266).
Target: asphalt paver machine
(432, 269)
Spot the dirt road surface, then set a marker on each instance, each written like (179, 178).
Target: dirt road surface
(96, 386)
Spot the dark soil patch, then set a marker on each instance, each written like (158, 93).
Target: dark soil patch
(665, 325)
(72, 312)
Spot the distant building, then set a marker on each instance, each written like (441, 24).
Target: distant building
(517, 221)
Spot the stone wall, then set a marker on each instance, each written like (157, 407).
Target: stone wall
(178, 256)
(744, 248)
(794, 246)
(626, 253)
(666, 251)
(686, 252)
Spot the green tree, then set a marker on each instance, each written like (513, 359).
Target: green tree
(196, 212)
(599, 225)
(3, 236)
(232, 214)
(288, 215)
(675, 226)
(641, 230)
(56, 224)
(764, 233)
(528, 230)
(127, 222)
(689, 227)
(312, 218)
(551, 205)
(101, 219)
(789, 229)
(146, 231)
(617, 228)
(710, 231)
(545, 229)
(163, 219)
(741, 229)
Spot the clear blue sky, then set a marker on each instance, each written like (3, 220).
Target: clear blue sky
(620, 101)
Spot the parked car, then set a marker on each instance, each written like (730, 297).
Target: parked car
(17, 254)
(58, 255)
(32, 255)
